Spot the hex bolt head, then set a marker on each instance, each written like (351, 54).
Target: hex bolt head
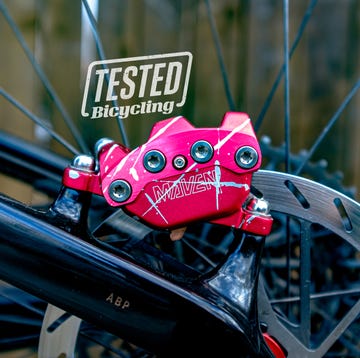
(84, 163)
(201, 151)
(119, 190)
(246, 157)
(154, 161)
(179, 162)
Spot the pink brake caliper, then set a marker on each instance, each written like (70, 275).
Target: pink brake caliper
(181, 174)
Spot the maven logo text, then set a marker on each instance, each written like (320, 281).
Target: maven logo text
(138, 85)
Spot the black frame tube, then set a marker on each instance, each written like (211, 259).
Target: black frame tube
(167, 318)
(28, 162)
(115, 294)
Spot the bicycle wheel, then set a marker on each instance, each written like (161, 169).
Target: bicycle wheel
(194, 13)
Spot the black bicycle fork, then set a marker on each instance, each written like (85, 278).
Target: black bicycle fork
(213, 314)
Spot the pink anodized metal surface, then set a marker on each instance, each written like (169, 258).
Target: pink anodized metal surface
(171, 197)
(181, 174)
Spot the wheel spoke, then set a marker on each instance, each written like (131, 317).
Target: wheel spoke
(349, 318)
(287, 85)
(219, 54)
(330, 124)
(300, 31)
(315, 296)
(102, 56)
(38, 121)
(52, 93)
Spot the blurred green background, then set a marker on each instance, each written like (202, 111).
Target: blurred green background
(323, 69)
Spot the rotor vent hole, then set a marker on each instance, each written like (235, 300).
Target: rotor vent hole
(256, 192)
(58, 322)
(297, 193)
(344, 215)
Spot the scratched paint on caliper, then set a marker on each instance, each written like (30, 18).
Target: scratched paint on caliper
(209, 190)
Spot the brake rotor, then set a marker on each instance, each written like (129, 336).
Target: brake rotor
(300, 198)
(312, 205)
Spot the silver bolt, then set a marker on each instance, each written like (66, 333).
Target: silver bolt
(246, 157)
(84, 163)
(202, 151)
(257, 205)
(154, 161)
(119, 190)
(179, 162)
(101, 144)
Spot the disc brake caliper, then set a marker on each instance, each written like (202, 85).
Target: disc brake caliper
(181, 174)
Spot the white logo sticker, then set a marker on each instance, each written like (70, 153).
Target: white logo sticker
(137, 85)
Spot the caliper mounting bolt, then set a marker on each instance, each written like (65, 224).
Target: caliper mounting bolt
(201, 151)
(154, 161)
(119, 190)
(246, 157)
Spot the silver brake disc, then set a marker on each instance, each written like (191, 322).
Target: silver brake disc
(311, 201)
(58, 334)
(291, 195)
(314, 203)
